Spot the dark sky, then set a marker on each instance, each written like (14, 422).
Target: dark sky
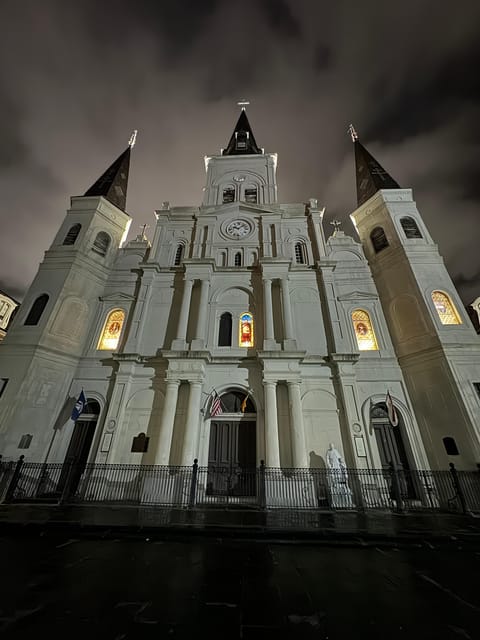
(77, 76)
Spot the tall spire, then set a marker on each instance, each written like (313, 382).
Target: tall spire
(113, 184)
(371, 176)
(242, 140)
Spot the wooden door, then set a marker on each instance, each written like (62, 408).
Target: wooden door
(232, 458)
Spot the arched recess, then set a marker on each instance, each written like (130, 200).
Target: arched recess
(79, 447)
(410, 227)
(232, 447)
(101, 243)
(179, 254)
(72, 234)
(446, 310)
(225, 330)
(414, 447)
(320, 408)
(379, 239)
(70, 321)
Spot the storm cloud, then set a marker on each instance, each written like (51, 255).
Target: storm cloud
(77, 77)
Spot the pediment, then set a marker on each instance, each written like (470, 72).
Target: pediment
(357, 295)
(119, 296)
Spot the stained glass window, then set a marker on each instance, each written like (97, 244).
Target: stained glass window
(445, 308)
(112, 330)
(364, 331)
(245, 330)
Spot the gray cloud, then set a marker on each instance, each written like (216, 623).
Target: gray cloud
(76, 78)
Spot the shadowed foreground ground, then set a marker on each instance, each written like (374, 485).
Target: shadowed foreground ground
(132, 588)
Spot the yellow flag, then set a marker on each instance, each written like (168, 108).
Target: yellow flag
(243, 406)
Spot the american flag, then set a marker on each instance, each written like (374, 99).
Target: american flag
(216, 405)
(392, 412)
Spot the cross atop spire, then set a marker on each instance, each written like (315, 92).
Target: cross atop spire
(243, 103)
(242, 141)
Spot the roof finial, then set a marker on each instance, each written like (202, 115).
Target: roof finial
(352, 132)
(337, 224)
(243, 103)
(133, 139)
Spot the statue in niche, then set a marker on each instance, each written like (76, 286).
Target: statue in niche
(337, 478)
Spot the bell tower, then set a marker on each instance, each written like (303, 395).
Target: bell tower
(434, 340)
(243, 172)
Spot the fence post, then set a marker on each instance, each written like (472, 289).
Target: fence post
(458, 488)
(396, 491)
(193, 484)
(14, 481)
(262, 498)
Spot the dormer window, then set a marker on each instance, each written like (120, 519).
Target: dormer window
(241, 139)
(251, 195)
(228, 195)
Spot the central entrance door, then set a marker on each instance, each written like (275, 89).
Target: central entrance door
(232, 458)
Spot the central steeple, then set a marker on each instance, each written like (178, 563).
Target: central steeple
(242, 141)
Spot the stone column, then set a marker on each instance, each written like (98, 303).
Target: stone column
(180, 342)
(289, 342)
(199, 341)
(272, 453)
(190, 440)
(299, 452)
(269, 338)
(166, 424)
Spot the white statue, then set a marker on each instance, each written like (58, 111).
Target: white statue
(338, 478)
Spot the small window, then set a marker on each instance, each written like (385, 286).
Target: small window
(241, 139)
(3, 384)
(364, 333)
(450, 446)
(410, 227)
(25, 441)
(251, 195)
(72, 234)
(238, 259)
(228, 195)
(140, 443)
(225, 330)
(37, 309)
(379, 239)
(299, 253)
(112, 330)
(245, 330)
(476, 386)
(178, 255)
(101, 243)
(445, 308)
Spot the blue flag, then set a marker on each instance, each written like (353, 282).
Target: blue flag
(79, 406)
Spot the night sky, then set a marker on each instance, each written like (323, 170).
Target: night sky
(76, 77)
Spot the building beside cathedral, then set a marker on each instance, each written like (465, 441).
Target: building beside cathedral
(242, 333)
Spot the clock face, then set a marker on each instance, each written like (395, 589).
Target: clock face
(238, 229)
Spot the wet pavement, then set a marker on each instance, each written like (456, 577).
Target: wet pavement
(123, 588)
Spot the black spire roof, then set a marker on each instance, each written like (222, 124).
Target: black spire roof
(242, 140)
(112, 184)
(371, 176)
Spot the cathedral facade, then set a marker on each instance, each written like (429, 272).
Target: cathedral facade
(240, 333)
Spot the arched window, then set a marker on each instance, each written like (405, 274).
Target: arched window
(251, 195)
(111, 332)
(222, 259)
(228, 194)
(101, 243)
(379, 239)
(225, 330)
(238, 259)
(364, 333)
(410, 227)
(178, 255)
(450, 446)
(445, 308)
(37, 309)
(72, 234)
(245, 330)
(300, 253)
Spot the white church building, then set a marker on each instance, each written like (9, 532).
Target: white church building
(241, 333)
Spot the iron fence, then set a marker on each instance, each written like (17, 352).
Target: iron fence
(261, 488)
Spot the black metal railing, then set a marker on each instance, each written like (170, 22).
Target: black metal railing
(391, 488)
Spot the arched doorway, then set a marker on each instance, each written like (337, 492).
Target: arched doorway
(391, 445)
(232, 454)
(79, 447)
